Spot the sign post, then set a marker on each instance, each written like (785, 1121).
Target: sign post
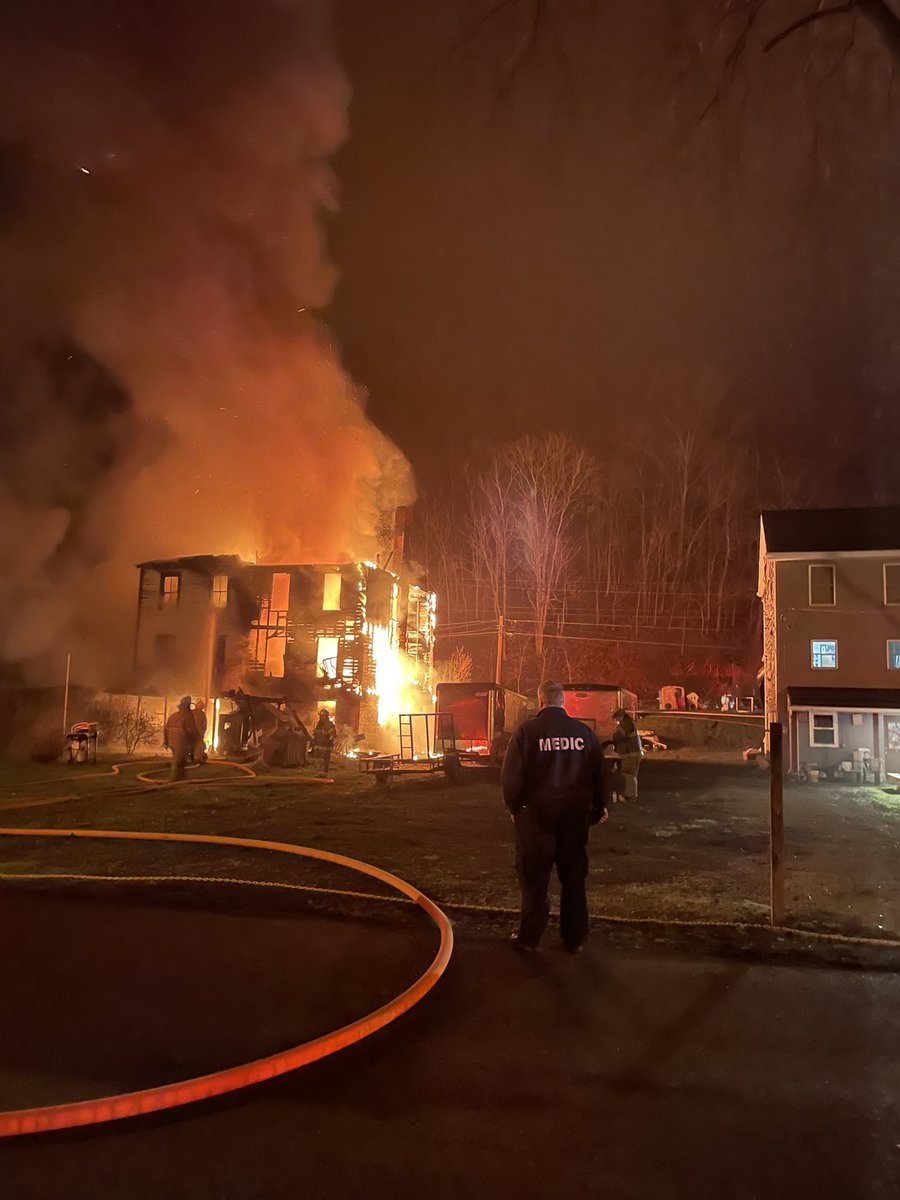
(776, 824)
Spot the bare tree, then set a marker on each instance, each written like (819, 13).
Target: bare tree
(455, 669)
(127, 722)
(550, 482)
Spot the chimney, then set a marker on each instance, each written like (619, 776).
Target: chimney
(401, 523)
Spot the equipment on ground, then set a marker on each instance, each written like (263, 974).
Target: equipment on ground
(672, 697)
(262, 726)
(81, 743)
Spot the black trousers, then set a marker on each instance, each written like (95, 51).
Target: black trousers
(549, 835)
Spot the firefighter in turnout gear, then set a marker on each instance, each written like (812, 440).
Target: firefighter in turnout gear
(198, 754)
(324, 736)
(555, 784)
(180, 736)
(626, 741)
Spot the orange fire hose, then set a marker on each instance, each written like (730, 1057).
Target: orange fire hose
(202, 1087)
(150, 784)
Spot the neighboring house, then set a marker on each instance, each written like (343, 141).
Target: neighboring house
(312, 633)
(829, 580)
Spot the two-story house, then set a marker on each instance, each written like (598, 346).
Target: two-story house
(829, 581)
(315, 634)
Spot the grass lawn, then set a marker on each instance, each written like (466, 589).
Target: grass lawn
(694, 847)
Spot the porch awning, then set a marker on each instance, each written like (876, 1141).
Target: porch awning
(845, 699)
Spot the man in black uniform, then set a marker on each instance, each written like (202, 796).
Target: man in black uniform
(555, 784)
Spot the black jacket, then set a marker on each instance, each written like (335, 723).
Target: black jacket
(556, 759)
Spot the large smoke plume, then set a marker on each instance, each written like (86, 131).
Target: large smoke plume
(165, 388)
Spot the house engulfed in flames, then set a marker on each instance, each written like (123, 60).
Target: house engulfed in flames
(354, 637)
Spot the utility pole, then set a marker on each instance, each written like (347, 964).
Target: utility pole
(776, 823)
(501, 621)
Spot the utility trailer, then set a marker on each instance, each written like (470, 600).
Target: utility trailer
(595, 703)
(418, 753)
(470, 728)
(474, 723)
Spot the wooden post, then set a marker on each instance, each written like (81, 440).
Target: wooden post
(776, 823)
(66, 695)
(499, 668)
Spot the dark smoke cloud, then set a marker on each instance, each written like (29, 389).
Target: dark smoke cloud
(165, 388)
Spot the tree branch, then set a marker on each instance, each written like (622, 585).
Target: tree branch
(818, 15)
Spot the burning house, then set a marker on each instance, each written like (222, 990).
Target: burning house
(354, 636)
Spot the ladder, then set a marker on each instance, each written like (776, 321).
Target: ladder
(407, 744)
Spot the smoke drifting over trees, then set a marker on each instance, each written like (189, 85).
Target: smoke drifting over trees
(165, 388)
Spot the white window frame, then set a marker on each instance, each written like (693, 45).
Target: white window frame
(809, 588)
(887, 647)
(884, 579)
(835, 742)
(812, 654)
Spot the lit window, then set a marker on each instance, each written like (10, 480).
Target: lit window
(171, 586)
(892, 583)
(824, 655)
(331, 597)
(893, 655)
(821, 584)
(219, 591)
(326, 657)
(823, 729)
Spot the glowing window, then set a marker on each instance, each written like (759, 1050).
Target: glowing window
(893, 655)
(281, 591)
(821, 584)
(326, 657)
(331, 596)
(824, 655)
(171, 588)
(823, 728)
(219, 591)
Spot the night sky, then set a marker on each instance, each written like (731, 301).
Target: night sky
(625, 220)
(585, 252)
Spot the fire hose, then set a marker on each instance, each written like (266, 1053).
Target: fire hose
(247, 773)
(188, 1091)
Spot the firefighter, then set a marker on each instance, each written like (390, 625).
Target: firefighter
(626, 741)
(555, 784)
(180, 736)
(200, 720)
(324, 735)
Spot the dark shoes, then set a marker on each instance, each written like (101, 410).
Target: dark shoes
(571, 949)
(523, 947)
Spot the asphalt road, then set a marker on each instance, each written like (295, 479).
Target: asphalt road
(618, 1075)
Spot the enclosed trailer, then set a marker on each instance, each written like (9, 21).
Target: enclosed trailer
(595, 703)
(476, 720)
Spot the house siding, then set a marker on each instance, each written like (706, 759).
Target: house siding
(861, 624)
